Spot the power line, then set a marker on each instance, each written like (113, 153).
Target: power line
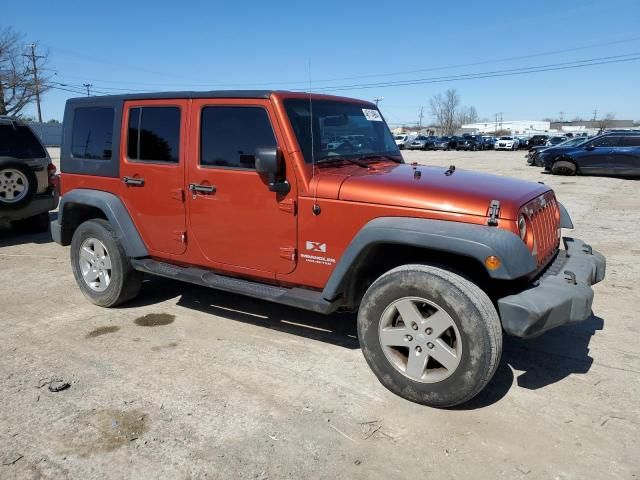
(372, 75)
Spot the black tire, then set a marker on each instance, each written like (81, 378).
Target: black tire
(465, 303)
(6, 165)
(36, 224)
(564, 167)
(124, 283)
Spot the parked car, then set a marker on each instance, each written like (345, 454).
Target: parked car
(437, 262)
(507, 143)
(27, 178)
(556, 140)
(523, 143)
(442, 143)
(469, 142)
(488, 142)
(401, 140)
(533, 156)
(538, 140)
(422, 142)
(609, 154)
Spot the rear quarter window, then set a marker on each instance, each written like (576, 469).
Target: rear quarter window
(92, 135)
(18, 141)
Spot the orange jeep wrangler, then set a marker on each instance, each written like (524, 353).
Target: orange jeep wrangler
(305, 200)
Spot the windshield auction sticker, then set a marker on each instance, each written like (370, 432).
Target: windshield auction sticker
(372, 115)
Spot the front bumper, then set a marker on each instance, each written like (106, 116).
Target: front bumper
(39, 204)
(560, 296)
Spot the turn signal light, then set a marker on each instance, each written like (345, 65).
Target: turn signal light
(492, 262)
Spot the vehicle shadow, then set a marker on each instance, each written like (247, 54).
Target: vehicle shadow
(10, 237)
(337, 329)
(544, 360)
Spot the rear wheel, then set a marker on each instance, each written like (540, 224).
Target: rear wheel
(100, 265)
(563, 167)
(429, 335)
(18, 184)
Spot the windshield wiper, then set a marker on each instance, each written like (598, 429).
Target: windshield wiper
(374, 155)
(355, 161)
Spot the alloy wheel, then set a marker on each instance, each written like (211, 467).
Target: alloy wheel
(13, 185)
(95, 264)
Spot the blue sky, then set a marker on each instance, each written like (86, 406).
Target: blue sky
(158, 45)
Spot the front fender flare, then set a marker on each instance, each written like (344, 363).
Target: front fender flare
(469, 240)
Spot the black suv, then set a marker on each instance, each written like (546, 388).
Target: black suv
(538, 140)
(27, 178)
(609, 154)
(469, 142)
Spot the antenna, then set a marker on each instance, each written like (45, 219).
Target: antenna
(315, 208)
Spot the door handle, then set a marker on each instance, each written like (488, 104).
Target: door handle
(194, 187)
(134, 182)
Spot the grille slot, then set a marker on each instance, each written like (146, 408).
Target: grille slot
(544, 214)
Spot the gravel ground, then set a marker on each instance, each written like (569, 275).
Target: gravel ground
(187, 382)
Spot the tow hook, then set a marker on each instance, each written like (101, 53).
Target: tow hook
(450, 170)
(587, 249)
(570, 277)
(494, 211)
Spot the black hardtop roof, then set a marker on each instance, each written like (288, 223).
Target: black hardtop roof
(176, 95)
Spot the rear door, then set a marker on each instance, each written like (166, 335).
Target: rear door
(237, 223)
(153, 152)
(627, 156)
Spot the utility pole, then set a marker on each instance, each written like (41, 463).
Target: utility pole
(88, 86)
(500, 122)
(420, 120)
(595, 114)
(377, 100)
(34, 64)
(561, 117)
(495, 129)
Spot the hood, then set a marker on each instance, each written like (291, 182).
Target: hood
(463, 191)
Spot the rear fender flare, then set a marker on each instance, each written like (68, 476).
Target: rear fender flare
(115, 212)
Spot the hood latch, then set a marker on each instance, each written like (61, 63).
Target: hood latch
(494, 211)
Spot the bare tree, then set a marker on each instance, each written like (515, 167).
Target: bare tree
(604, 123)
(18, 86)
(467, 115)
(449, 114)
(444, 108)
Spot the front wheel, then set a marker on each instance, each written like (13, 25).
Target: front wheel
(429, 335)
(100, 265)
(563, 167)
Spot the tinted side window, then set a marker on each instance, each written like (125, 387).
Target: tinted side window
(229, 136)
(18, 141)
(607, 142)
(92, 135)
(154, 134)
(631, 141)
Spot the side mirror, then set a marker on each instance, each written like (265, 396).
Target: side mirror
(589, 147)
(269, 164)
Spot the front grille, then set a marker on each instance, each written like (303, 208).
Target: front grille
(544, 220)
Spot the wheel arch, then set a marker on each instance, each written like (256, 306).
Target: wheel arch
(81, 205)
(388, 242)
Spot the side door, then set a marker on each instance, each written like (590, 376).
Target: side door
(236, 222)
(596, 156)
(153, 152)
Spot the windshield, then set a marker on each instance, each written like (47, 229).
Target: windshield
(506, 138)
(573, 142)
(400, 137)
(19, 142)
(340, 129)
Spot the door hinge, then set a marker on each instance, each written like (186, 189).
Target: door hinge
(178, 194)
(180, 236)
(288, 253)
(288, 206)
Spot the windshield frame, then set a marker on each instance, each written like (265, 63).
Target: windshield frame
(383, 136)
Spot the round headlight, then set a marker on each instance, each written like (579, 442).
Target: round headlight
(522, 226)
